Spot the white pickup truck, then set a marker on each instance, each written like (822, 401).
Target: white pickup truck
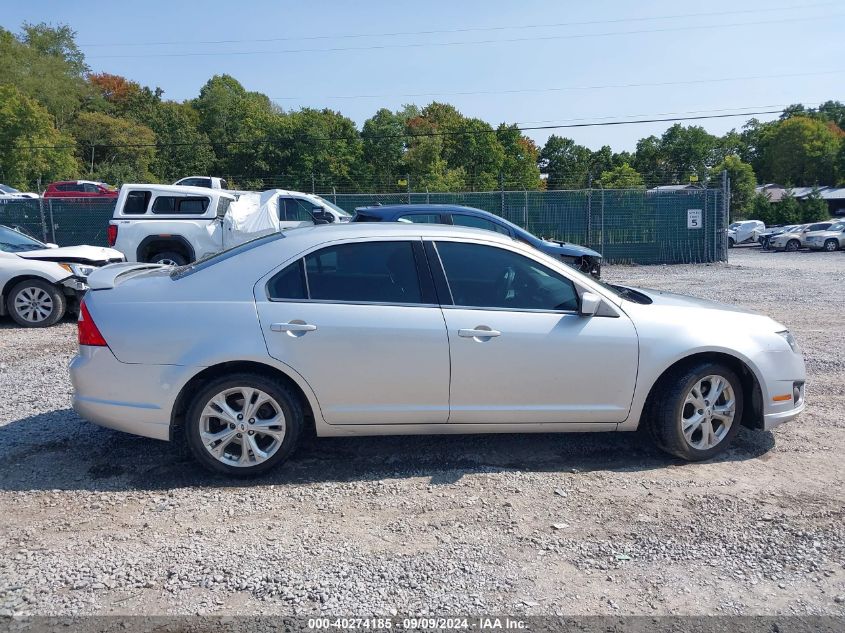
(173, 224)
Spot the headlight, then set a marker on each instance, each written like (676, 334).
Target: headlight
(787, 336)
(79, 270)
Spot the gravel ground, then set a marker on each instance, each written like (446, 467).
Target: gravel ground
(95, 521)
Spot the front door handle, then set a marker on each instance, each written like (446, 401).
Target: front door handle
(480, 331)
(293, 327)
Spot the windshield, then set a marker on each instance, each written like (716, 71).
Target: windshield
(8, 189)
(12, 241)
(333, 206)
(216, 258)
(837, 227)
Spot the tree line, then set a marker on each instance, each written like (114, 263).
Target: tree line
(58, 120)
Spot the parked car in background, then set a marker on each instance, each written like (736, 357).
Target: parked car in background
(830, 239)
(176, 225)
(10, 193)
(40, 282)
(79, 189)
(209, 182)
(584, 259)
(744, 232)
(765, 237)
(394, 328)
(795, 239)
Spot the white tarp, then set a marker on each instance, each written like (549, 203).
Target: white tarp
(253, 215)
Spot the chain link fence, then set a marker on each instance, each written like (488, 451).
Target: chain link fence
(625, 225)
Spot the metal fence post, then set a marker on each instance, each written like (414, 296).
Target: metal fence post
(52, 223)
(334, 194)
(525, 210)
(408, 183)
(602, 221)
(502, 194)
(427, 196)
(43, 219)
(726, 214)
(590, 210)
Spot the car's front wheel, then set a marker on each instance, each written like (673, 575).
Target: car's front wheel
(793, 245)
(696, 413)
(36, 303)
(243, 425)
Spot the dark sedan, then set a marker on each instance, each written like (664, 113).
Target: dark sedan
(584, 259)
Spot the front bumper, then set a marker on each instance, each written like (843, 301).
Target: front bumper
(772, 420)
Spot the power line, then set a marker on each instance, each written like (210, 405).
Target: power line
(570, 36)
(653, 84)
(306, 137)
(472, 29)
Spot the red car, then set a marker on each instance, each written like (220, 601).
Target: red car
(79, 189)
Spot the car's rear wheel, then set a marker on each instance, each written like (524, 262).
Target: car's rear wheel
(243, 425)
(793, 245)
(831, 245)
(36, 303)
(169, 258)
(696, 413)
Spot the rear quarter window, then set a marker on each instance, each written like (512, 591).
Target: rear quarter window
(136, 202)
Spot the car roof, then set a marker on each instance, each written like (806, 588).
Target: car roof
(353, 230)
(390, 209)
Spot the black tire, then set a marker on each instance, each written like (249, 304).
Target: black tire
(289, 405)
(792, 246)
(831, 245)
(34, 288)
(667, 406)
(169, 257)
(731, 242)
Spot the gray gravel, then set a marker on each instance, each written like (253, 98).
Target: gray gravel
(95, 521)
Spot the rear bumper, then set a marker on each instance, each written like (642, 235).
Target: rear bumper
(132, 398)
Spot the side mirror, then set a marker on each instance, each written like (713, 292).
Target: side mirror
(51, 245)
(590, 303)
(319, 221)
(320, 213)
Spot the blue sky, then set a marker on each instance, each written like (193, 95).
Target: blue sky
(576, 61)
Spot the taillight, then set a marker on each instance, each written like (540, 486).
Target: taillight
(89, 334)
(112, 234)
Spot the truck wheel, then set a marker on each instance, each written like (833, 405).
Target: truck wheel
(36, 303)
(170, 258)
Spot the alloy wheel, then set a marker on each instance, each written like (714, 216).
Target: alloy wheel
(33, 304)
(708, 412)
(242, 426)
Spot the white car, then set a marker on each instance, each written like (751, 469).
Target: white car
(10, 193)
(208, 182)
(393, 329)
(176, 225)
(744, 232)
(40, 282)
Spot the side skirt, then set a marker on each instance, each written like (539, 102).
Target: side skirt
(347, 430)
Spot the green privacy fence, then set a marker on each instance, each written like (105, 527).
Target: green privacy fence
(625, 225)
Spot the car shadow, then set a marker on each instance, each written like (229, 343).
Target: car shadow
(61, 451)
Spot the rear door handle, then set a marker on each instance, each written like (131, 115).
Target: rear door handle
(479, 332)
(293, 326)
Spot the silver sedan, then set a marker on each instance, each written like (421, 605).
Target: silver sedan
(375, 329)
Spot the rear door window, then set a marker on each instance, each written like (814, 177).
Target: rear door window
(420, 218)
(472, 221)
(366, 272)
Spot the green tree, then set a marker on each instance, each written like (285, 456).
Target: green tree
(55, 41)
(743, 181)
(787, 210)
(50, 79)
(566, 163)
(519, 164)
(33, 148)
(383, 146)
(113, 149)
(182, 149)
(622, 177)
(814, 208)
(800, 151)
(688, 151)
